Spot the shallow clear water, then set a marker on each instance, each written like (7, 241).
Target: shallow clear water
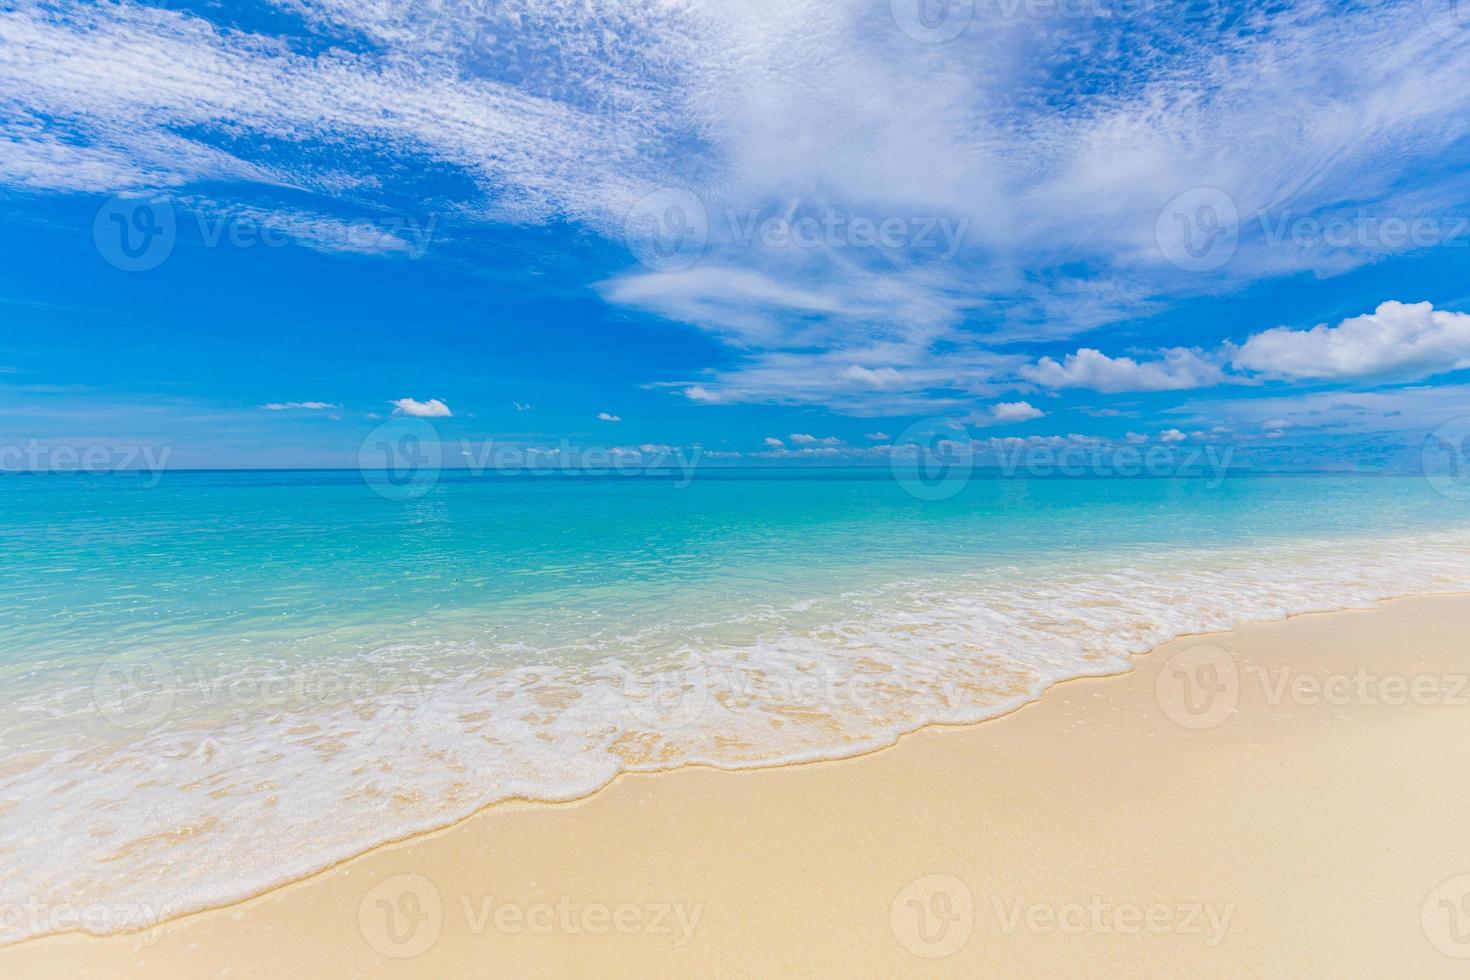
(228, 680)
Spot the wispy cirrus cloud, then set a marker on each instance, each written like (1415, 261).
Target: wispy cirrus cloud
(1048, 147)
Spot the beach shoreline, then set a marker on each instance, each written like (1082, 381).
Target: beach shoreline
(654, 915)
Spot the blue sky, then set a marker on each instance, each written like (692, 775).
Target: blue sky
(254, 231)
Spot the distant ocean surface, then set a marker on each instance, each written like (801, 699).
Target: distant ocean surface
(224, 681)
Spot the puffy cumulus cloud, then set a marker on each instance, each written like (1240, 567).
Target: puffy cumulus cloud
(431, 409)
(1016, 412)
(608, 417)
(1174, 369)
(773, 442)
(1399, 340)
(807, 439)
(1172, 435)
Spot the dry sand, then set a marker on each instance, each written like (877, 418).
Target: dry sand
(1108, 829)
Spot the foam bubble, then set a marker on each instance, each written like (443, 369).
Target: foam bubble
(289, 765)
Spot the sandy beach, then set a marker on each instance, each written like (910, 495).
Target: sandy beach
(1284, 800)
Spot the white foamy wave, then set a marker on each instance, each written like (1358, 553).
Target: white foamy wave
(182, 802)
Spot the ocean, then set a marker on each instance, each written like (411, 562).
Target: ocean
(215, 682)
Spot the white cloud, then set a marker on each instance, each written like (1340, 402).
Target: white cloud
(807, 439)
(1136, 438)
(1175, 369)
(795, 108)
(431, 409)
(1172, 435)
(1016, 412)
(609, 417)
(521, 407)
(877, 436)
(1401, 340)
(774, 443)
(293, 406)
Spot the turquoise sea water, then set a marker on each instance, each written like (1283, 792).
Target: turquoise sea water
(213, 682)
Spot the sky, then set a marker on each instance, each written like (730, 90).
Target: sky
(253, 232)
